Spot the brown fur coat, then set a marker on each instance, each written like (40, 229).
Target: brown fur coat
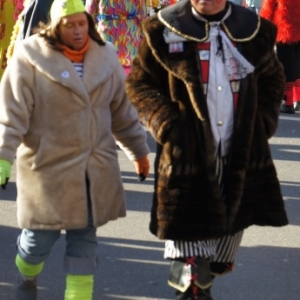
(167, 92)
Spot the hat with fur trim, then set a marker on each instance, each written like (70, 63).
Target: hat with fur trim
(63, 8)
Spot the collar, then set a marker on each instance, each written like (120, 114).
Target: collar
(76, 56)
(202, 18)
(179, 18)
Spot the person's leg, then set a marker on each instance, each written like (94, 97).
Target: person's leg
(33, 247)
(195, 264)
(227, 247)
(191, 278)
(190, 272)
(80, 263)
(286, 55)
(81, 258)
(296, 88)
(194, 275)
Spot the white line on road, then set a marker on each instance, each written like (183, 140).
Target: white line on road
(292, 118)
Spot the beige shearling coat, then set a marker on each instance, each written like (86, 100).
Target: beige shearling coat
(64, 128)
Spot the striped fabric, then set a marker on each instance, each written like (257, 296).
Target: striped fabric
(177, 249)
(220, 250)
(227, 248)
(79, 68)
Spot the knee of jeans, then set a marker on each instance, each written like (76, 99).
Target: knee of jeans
(37, 242)
(80, 265)
(81, 242)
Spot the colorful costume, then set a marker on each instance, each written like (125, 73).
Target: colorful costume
(34, 11)
(7, 17)
(154, 6)
(285, 15)
(119, 22)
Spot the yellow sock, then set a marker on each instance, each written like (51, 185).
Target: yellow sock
(27, 269)
(79, 287)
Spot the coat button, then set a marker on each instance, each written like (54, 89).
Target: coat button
(219, 88)
(220, 123)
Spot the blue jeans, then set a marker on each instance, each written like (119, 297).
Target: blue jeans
(34, 246)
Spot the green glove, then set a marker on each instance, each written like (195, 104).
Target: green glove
(5, 170)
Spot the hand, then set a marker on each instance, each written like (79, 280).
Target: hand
(5, 170)
(142, 168)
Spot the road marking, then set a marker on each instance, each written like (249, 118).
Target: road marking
(114, 296)
(292, 118)
(143, 261)
(123, 245)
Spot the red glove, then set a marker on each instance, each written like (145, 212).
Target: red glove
(142, 167)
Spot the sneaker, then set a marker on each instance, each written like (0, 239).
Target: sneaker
(297, 106)
(26, 289)
(287, 109)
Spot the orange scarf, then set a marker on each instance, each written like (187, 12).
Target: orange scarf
(75, 55)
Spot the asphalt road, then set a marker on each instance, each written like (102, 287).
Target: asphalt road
(131, 264)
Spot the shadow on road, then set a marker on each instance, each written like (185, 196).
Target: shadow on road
(286, 152)
(291, 193)
(132, 178)
(134, 269)
(262, 273)
(10, 193)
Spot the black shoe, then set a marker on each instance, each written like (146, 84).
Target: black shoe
(287, 109)
(191, 294)
(26, 289)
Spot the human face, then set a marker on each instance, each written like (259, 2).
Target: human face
(208, 7)
(73, 30)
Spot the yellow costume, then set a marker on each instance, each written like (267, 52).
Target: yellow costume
(7, 11)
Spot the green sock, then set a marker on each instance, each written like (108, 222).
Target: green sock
(79, 287)
(27, 269)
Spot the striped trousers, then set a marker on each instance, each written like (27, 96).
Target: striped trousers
(221, 250)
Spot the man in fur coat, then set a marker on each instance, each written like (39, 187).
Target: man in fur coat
(208, 86)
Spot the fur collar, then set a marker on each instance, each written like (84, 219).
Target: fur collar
(178, 18)
(55, 65)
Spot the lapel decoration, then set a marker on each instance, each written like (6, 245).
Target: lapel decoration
(176, 47)
(65, 74)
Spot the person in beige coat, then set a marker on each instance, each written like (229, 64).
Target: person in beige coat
(63, 106)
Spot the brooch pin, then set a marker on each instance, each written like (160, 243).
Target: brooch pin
(65, 74)
(176, 47)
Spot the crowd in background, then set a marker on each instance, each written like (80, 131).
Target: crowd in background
(117, 21)
(9, 11)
